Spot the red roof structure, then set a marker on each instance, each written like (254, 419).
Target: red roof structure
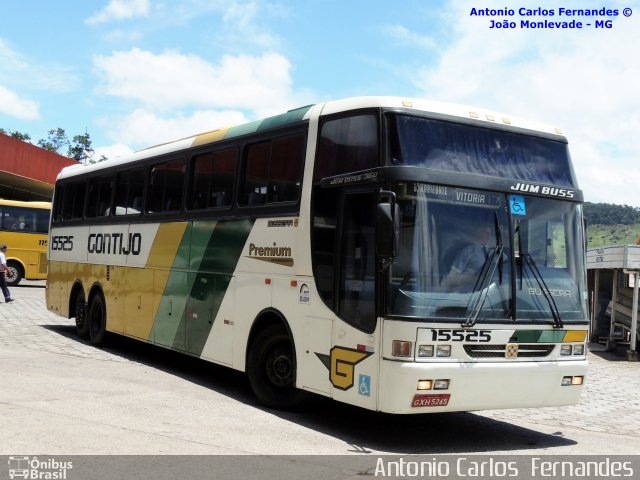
(28, 172)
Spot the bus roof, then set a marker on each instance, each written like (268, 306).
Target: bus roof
(18, 203)
(483, 117)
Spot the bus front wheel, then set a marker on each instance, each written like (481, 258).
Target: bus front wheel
(271, 367)
(16, 273)
(97, 320)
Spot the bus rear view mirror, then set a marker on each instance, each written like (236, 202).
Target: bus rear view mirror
(387, 230)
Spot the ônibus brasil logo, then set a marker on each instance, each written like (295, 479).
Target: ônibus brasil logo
(37, 469)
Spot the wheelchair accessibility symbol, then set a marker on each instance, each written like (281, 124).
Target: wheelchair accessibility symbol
(364, 385)
(518, 206)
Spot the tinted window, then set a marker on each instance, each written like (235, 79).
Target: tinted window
(456, 147)
(212, 179)
(347, 145)
(27, 220)
(273, 171)
(166, 186)
(129, 192)
(73, 202)
(99, 199)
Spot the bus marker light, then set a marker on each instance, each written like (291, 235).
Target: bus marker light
(441, 384)
(443, 351)
(400, 348)
(566, 350)
(267, 281)
(425, 351)
(425, 384)
(294, 283)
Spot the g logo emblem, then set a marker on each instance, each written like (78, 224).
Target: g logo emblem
(343, 362)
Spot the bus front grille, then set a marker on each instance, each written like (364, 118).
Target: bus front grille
(534, 350)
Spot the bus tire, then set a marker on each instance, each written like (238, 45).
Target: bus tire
(82, 322)
(16, 271)
(271, 368)
(97, 320)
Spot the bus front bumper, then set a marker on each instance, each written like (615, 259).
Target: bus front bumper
(478, 386)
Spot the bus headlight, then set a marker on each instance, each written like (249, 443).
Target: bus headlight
(441, 384)
(443, 351)
(567, 381)
(425, 384)
(566, 349)
(578, 349)
(425, 351)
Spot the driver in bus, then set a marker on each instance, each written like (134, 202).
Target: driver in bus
(469, 261)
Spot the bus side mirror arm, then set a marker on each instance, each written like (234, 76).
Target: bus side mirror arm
(387, 228)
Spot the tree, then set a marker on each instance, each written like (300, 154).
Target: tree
(24, 137)
(81, 149)
(56, 141)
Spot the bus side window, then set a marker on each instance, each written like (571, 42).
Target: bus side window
(273, 171)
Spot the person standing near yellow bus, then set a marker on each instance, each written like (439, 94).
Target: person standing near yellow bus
(3, 273)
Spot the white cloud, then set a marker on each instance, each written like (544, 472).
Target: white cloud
(120, 10)
(11, 104)
(111, 151)
(407, 37)
(143, 128)
(171, 80)
(584, 81)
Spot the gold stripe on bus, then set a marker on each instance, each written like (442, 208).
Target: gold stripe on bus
(575, 336)
(209, 137)
(161, 258)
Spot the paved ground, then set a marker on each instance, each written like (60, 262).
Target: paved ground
(59, 395)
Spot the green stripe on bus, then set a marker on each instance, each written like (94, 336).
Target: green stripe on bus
(211, 282)
(537, 336)
(167, 324)
(292, 116)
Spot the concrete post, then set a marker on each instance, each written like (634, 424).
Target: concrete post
(632, 354)
(611, 341)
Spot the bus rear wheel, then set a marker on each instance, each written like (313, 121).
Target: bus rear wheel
(271, 367)
(97, 320)
(82, 322)
(16, 273)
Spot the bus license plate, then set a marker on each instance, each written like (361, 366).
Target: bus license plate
(431, 400)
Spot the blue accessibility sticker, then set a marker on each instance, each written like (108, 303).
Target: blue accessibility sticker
(518, 206)
(364, 385)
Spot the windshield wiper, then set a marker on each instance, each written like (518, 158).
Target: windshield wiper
(528, 259)
(482, 292)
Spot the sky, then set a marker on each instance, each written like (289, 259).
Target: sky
(135, 73)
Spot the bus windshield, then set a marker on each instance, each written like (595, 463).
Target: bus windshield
(480, 256)
(456, 147)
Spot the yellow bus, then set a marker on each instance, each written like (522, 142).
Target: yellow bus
(24, 227)
(317, 251)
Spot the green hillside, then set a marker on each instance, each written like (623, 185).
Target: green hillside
(603, 235)
(610, 224)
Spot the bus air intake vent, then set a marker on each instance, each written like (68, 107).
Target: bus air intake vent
(534, 350)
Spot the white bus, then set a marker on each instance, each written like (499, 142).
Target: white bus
(329, 250)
